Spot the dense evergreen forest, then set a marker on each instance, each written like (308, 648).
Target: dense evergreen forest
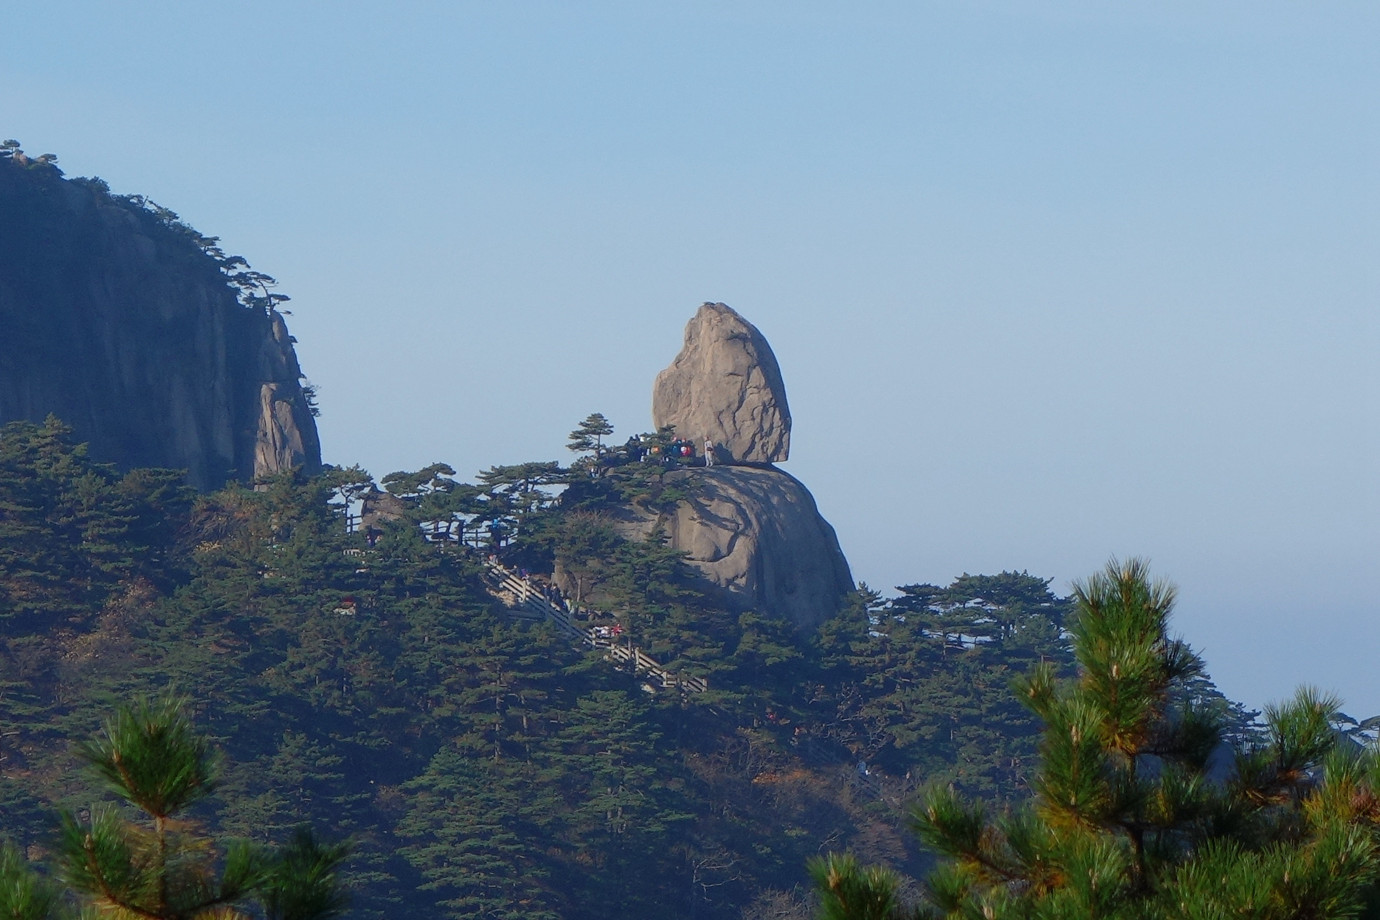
(321, 693)
(363, 680)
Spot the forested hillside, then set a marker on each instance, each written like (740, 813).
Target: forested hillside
(363, 678)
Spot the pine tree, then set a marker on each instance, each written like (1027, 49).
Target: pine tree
(622, 812)
(162, 867)
(848, 891)
(472, 838)
(24, 895)
(1137, 815)
(589, 436)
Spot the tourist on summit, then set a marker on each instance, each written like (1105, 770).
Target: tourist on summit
(708, 452)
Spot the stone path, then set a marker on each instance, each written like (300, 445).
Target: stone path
(526, 601)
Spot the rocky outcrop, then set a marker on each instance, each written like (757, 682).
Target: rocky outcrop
(286, 431)
(758, 541)
(725, 386)
(752, 532)
(116, 318)
(378, 509)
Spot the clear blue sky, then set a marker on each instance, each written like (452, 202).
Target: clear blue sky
(1047, 282)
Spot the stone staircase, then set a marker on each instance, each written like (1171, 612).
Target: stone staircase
(525, 601)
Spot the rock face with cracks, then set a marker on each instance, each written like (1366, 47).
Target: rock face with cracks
(725, 386)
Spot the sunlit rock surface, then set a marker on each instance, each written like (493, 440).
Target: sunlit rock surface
(757, 539)
(725, 386)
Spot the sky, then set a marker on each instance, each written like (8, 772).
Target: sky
(1047, 282)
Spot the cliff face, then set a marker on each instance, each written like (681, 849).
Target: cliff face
(115, 319)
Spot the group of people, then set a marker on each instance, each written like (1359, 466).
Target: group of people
(679, 452)
(552, 594)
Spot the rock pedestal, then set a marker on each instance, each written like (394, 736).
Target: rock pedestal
(758, 540)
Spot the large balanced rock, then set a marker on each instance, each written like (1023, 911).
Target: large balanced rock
(725, 386)
(758, 541)
(118, 319)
